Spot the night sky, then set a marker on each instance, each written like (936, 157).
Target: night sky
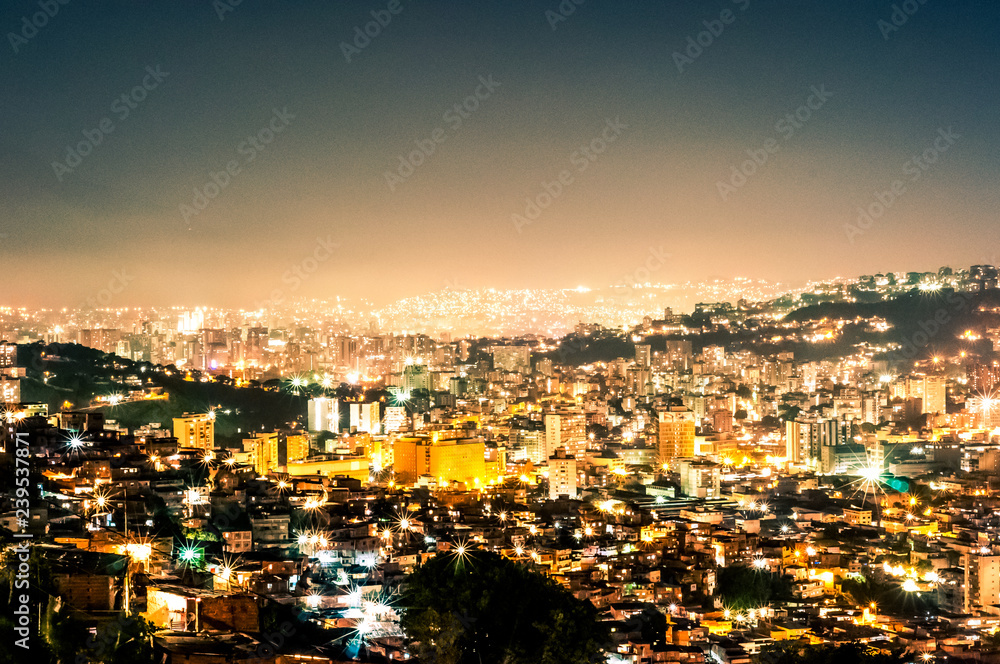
(667, 120)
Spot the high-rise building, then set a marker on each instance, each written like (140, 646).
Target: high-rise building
(10, 374)
(678, 353)
(871, 407)
(699, 478)
(451, 460)
(256, 343)
(982, 378)
(722, 421)
(811, 440)
(8, 355)
(931, 390)
(643, 355)
(366, 417)
(562, 474)
(10, 390)
(416, 377)
(292, 447)
(676, 435)
(195, 431)
(567, 429)
(511, 358)
(793, 441)
(458, 385)
(324, 414)
(395, 419)
(982, 581)
(528, 441)
(213, 349)
(262, 451)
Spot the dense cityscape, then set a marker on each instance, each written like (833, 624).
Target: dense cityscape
(219, 486)
(542, 332)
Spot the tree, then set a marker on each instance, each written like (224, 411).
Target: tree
(129, 640)
(794, 652)
(480, 608)
(788, 412)
(864, 591)
(770, 421)
(652, 624)
(64, 634)
(888, 596)
(322, 438)
(744, 588)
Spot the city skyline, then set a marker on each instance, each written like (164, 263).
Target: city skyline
(631, 129)
(453, 332)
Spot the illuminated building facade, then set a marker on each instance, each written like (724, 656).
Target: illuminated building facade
(562, 475)
(195, 431)
(324, 414)
(931, 390)
(8, 354)
(267, 451)
(566, 428)
(448, 460)
(527, 441)
(366, 417)
(676, 435)
(355, 467)
(699, 478)
(262, 451)
(10, 390)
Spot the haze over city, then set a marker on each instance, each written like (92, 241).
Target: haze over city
(545, 332)
(686, 117)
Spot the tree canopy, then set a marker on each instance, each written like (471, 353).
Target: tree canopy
(744, 588)
(793, 652)
(480, 608)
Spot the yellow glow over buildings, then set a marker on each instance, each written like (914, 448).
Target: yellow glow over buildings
(195, 431)
(448, 460)
(676, 435)
(262, 449)
(355, 467)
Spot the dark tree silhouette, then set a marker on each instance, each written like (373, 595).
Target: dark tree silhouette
(483, 609)
(794, 652)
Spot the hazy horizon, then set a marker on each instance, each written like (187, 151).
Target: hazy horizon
(671, 121)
